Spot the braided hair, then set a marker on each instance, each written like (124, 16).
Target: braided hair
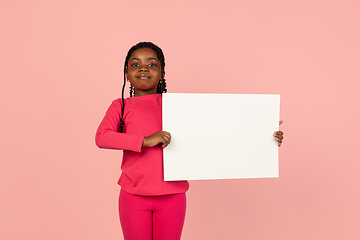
(161, 87)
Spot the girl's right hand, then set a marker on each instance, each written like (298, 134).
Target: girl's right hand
(160, 137)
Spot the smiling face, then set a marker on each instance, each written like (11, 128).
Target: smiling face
(143, 71)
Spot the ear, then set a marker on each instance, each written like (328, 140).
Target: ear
(126, 75)
(163, 74)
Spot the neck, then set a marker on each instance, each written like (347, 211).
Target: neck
(140, 93)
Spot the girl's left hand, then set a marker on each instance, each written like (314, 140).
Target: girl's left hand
(279, 135)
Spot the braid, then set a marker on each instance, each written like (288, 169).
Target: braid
(121, 127)
(132, 92)
(161, 87)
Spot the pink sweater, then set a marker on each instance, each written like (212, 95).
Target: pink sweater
(142, 168)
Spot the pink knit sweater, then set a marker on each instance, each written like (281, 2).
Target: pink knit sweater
(142, 168)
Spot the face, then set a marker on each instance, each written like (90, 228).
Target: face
(143, 71)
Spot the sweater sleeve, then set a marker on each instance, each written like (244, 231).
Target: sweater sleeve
(107, 135)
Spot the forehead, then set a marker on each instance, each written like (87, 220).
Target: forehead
(144, 53)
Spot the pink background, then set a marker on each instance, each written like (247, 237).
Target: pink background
(61, 66)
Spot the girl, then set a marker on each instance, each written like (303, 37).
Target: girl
(149, 207)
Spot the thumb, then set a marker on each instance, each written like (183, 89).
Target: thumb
(280, 122)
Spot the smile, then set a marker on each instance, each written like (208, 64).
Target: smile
(144, 76)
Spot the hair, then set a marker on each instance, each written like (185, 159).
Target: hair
(161, 87)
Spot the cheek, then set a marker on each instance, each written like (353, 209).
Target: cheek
(159, 75)
(130, 75)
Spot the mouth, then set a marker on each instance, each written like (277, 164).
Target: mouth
(144, 76)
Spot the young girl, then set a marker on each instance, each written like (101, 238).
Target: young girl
(149, 207)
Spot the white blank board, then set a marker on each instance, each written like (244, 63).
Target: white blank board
(220, 136)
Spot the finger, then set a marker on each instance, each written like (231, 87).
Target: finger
(278, 133)
(279, 144)
(166, 138)
(280, 122)
(165, 144)
(278, 136)
(279, 140)
(166, 134)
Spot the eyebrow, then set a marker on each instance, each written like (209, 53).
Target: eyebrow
(147, 59)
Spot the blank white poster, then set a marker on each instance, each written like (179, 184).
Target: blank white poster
(220, 136)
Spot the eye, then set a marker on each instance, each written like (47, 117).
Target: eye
(152, 65)
(135, 65)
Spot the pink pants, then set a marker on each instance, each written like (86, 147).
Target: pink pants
(152, 217)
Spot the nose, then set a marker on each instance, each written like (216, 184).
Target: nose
(143, 69)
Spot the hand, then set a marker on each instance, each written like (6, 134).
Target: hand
(160, 137)
(279, 135)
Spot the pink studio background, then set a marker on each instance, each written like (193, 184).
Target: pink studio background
(61, 66)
